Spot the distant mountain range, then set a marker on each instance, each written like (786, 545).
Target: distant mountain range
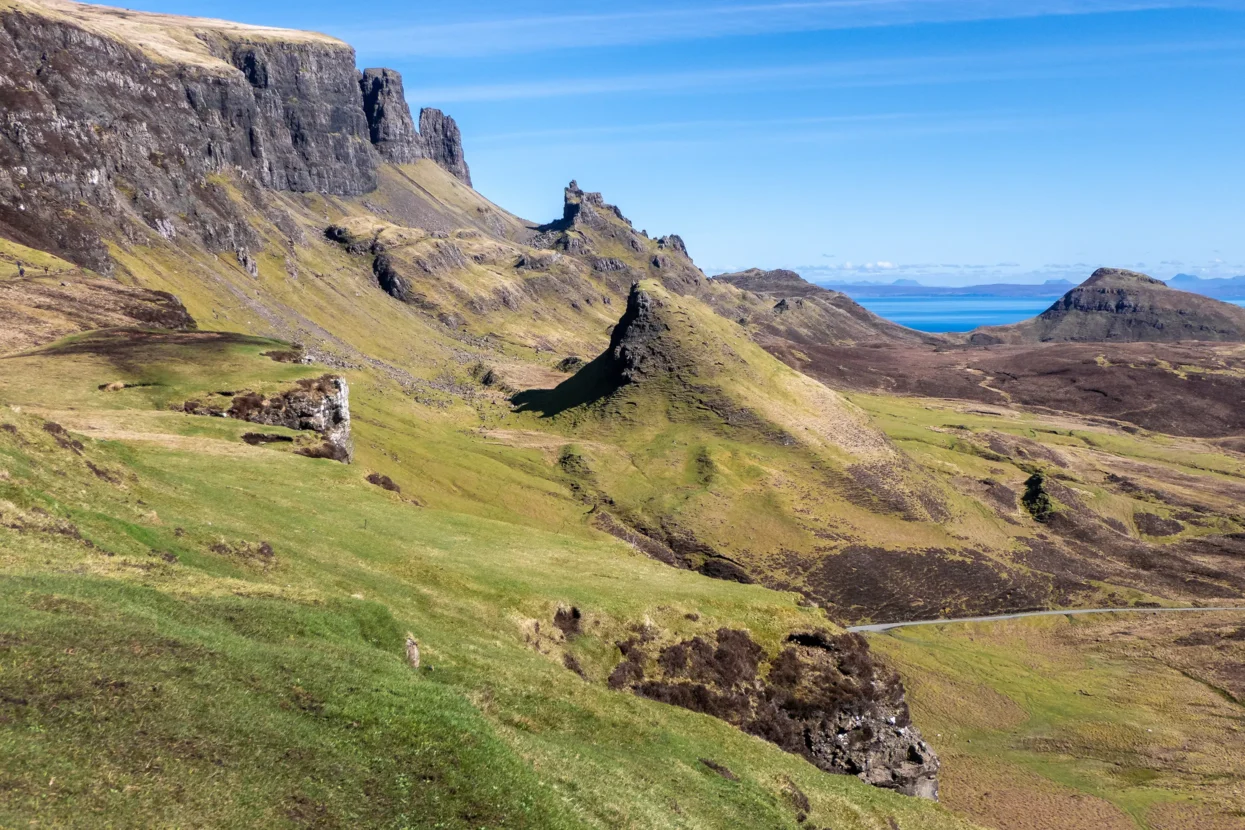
(1224, 288)
(1227, 288)
(1051, 289)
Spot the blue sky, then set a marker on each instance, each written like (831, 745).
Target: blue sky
(944, 140)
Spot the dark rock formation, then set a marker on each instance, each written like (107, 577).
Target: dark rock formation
(443, 143)
(638, 347)
(393, 132)
(824, 697)
(598, 234)
(1115, 305)
(104, 132)
(389, 117)
(321, 405)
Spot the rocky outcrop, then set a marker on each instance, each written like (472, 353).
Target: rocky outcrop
(443, 143)
(1116, 305)
(639, 347)
(321, 405)
(393, 132)
(389, 117)
(116, 122)
(823, 696)
(600, 235)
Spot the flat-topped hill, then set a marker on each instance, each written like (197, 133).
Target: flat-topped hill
(1124, 306)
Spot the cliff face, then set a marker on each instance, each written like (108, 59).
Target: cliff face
(443, 143)
(393, 132)
(109, 117)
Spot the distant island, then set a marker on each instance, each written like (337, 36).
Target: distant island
(1224, 288)
(1051, 289)
(1227, 288)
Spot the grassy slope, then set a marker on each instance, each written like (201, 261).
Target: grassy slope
(940, 434)
(210, 684)
(680, 450)
(498, 544)
(1079, 722)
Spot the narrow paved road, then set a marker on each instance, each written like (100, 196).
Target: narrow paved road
(889, 626)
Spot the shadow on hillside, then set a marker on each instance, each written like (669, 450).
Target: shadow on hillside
(590, 384)
(133, 349)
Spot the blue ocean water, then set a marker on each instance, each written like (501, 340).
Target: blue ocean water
(938, 314)
(942, 313)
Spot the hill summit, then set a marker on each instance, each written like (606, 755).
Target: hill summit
(1118, 305)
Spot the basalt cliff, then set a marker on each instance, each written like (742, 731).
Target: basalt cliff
(115, 124)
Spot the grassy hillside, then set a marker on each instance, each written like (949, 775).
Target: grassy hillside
(201, 626)
(219, 628)
(1079, 722)
(878, 507)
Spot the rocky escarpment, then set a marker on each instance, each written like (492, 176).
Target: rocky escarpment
(443, 143)
(116, 122)
(824, 697)
(1116, 305)
(801, 312)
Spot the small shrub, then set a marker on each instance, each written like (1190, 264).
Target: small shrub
(1036, 500)
(571, 364)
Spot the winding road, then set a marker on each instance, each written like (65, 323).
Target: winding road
(1020, 614)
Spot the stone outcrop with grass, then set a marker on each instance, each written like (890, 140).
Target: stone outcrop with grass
(321, 405)
(823, 696)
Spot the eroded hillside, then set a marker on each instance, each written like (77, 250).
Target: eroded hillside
(555, 432)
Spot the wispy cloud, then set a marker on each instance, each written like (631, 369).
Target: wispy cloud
(924, 70)
(537, 33)
(666, 128)
(768, 133)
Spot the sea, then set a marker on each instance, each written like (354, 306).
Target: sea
(942, 313)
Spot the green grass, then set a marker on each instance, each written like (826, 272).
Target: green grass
(134, 707)
(164, 675)
(1073, 711)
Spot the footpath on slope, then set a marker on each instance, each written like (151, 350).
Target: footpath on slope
(1066, 612)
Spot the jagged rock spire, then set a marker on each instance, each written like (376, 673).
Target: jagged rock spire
(392, 129)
